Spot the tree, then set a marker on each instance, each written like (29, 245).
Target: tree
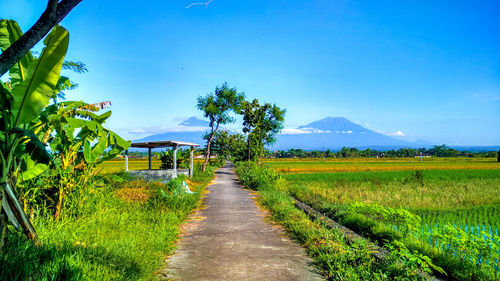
(33, 81)
(261, 123)
(229, 145)
(216, 107)
(53, 14)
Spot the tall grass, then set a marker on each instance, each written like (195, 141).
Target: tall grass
(333, 254)
(435, 189)
(117, 235)
(459, 211)
(383, 164)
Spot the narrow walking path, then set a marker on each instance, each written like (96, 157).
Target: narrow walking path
(232, 241)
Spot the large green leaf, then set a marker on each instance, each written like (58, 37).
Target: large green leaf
(92, 153)
(33, 169)
(33, 94)
(10, 32)
(33, 146)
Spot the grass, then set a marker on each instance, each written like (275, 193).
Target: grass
(312, 165)
(335, 256)
(458, 200)
(123, 232)
(432, 189)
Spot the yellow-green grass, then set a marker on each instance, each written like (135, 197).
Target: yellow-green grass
(457, 192)
(116, 236)
(435, 189)
(313, 165)
(118, 165)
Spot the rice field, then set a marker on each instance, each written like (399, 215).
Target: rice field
(457, 200)
(118, 165)
(312, 165)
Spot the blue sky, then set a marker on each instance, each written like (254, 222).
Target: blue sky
(429, 69)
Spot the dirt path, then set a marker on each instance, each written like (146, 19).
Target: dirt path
(232, 241)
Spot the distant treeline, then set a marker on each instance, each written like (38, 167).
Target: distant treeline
(346, 152)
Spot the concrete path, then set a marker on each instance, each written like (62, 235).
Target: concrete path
(229, 240)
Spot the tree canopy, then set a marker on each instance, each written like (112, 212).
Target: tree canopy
(261, 123)
(217, 107)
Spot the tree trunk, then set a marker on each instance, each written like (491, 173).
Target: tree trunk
(59, 203)
(52, 15)
(248, 148)
(209, 144)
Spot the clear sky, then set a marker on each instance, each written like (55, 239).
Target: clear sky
(429, 69)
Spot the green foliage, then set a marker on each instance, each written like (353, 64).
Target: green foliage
(77, 139)
(110, 239)
(167, 158)
(217, 107)
(352, 152)
(32, 83)
(405, 221)
(412, 259)
(229, 145)
(336, 257)
(460, 238)
(261, 123)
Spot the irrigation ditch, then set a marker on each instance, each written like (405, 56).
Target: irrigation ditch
(376, 251)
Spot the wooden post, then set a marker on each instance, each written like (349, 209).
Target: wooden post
(175, 160)
(149, 157)
(191, 154)
(126, 160)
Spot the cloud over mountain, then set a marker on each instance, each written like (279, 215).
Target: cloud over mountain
(327, 133)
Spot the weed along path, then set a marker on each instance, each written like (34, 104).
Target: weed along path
(231, 241)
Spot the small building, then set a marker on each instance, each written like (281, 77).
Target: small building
(165, 174)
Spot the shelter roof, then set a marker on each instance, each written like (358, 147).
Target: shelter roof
(157, 144)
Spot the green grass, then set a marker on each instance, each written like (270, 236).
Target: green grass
(433, 189)
(293, 165)
(457, 206)
(116, 235)
(118, 165)
(334, 255)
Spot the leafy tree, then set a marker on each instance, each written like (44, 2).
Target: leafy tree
(229, 145)
(261, 123)
(216, 107)
(32, 83)
(19, 48)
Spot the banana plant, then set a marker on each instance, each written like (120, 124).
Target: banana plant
(33, 82)
(77, 138)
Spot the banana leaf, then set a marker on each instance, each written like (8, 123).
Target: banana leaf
(33, 94)
(9, 33)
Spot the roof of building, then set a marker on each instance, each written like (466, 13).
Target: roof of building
(158, 144)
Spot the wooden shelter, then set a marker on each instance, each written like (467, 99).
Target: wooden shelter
(159, 144)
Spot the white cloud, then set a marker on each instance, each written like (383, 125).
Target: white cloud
(301, 131)
(396, 134)
(160, 130)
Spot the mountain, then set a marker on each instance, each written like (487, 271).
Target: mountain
(335, 124)
(329, 133)
(189, 130)
(194, 122)
(334, 133)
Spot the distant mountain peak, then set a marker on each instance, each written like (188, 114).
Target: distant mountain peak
(194, 122)
(336, 124)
